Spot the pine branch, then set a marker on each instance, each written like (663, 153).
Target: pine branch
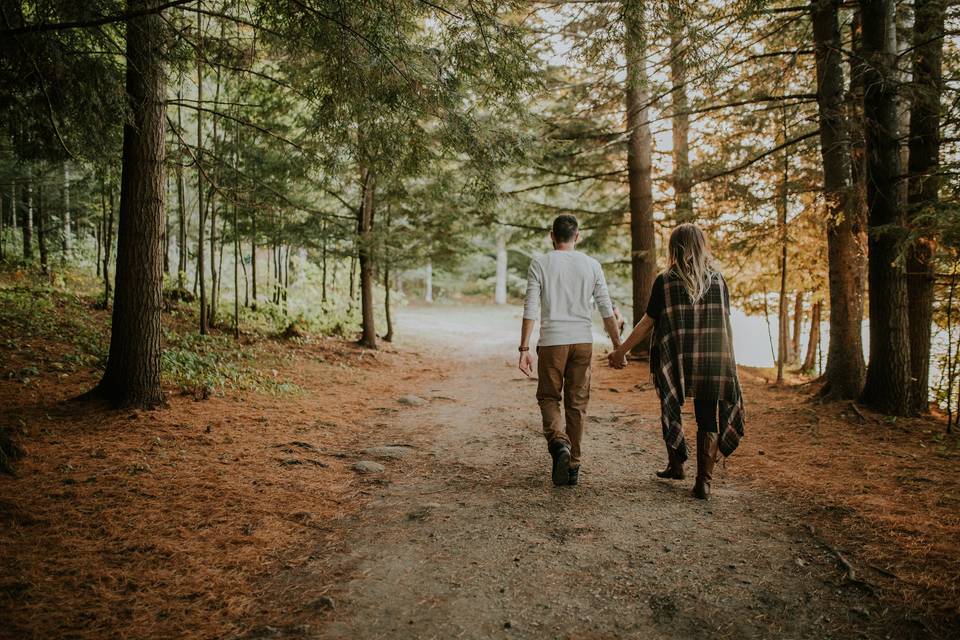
(85, 24)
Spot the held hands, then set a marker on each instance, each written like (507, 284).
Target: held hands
(526, 363)
(617, 358)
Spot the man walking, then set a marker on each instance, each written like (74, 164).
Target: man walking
(562, 287)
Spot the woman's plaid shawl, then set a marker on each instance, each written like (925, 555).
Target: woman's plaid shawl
(692, 357)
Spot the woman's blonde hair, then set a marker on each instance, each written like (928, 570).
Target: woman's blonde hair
(691, 259)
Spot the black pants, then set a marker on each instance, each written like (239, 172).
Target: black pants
(706, 412)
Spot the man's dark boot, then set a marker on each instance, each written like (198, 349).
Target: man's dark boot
(706, 457)
(560, 452)
(574, 477)
(674, 470)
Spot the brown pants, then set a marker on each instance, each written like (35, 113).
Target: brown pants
(564, 370)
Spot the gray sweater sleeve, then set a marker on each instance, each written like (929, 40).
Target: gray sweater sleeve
(600, 294)
(531, 303)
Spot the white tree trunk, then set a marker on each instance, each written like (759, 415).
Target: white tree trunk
(500, 293)
(428, 284)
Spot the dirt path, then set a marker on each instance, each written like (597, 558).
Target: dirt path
(466, 537)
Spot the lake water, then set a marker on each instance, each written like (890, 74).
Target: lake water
(494, 330)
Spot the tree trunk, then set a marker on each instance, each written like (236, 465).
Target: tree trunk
(65, 232)
(237, 258)
(680, 120)
(845, 221)
(766, 316)
(368, 336)
(99, 232)
(181, 207)
(888, 384)
(353, 278)
(253, 258)
(286, 279)
(388, 336)
(201, 261)
(643, 259)
(924, 186)
(783, 317)
(215, 143)
(246, 281)
(42, 229)
(797, 327)
(166, 228)
(3, 224)
(500, 290)
(277, 270)
(219, 285)
(323, 262)
(212, 301)
(107, 243)
(810, 362)
(28, 225)
(14, 212)
(236, 276)
(132, 376)
(428, 282)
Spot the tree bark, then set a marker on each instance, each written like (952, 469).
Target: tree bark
(65, 231)
(181, 208)
(500, 289)
(643, 260)
(28, 225)
(132, 376)
(888, 384)
(201, 257)
(42, 229)
(253, 258)
(99, 233)
(797, 327)
(680, 120)
(285, 265)
(237, 258)
(107, 241)
(222, 245)
(214, 266)
(166, 228)
(323, 262)
(365, 215)
(845, 370)
(353, 278)
(4, 206)
(924, 186)
(388, 336)
(783, 321)
(102, 227)
(814, 342)
(15, 211)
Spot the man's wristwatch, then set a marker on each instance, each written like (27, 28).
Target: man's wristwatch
(522, 349)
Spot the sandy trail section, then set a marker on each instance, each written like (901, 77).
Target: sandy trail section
(465, 537)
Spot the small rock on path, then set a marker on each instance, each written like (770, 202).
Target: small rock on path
(387, 452)
(368, 466)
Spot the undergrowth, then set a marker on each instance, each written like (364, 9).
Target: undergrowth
(203, 365)
(56, 331)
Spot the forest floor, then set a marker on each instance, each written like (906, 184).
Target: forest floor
(255, 512)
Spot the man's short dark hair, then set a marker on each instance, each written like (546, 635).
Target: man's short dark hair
(565, 228)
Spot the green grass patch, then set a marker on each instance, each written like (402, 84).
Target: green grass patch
(35, 315)
(205, 365)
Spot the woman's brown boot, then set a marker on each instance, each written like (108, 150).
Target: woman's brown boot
(706, 457)
(674, 470)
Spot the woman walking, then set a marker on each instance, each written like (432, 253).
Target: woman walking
(691, 356)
